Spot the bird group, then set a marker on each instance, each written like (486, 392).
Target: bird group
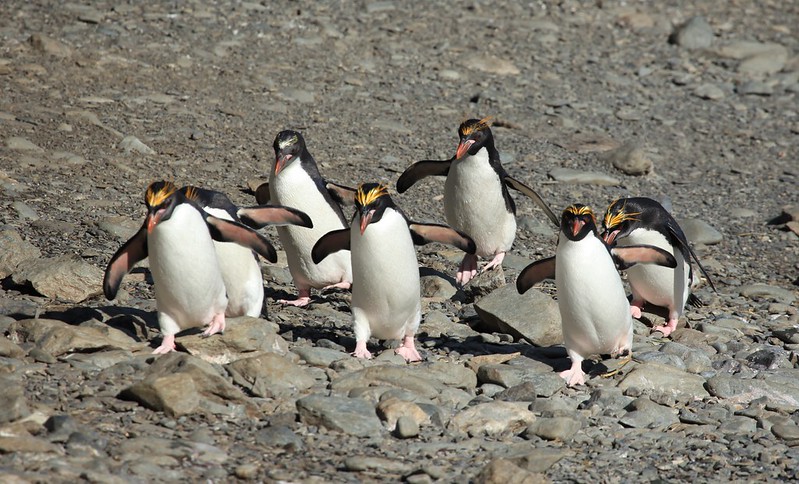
(204, 250)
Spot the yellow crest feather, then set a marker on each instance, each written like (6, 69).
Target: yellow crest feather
(155, 197)
(614, 219)
(484, 123)
(364, 198)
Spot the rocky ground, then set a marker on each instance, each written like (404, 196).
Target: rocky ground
(592, 101)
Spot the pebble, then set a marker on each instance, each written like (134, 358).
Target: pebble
(21, 144)
(505, 310)
(555, 428)
(131, 143)
(644, 413)
(352, 416)
(695, 33)
(270, 375)
(492, 65)
(493, 419)
(700, 232)
(757, 88)
(709, 91)
(406, 427)
(569, 175)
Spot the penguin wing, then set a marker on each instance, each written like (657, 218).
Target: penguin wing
(426, 233)
(133, 251)
(225, 231)
(534, 196)
(422, 169)
(535, 273)
(679, 236)
(626, 257)
(262, 215)
(343, 195)
(262, 195)
(329, 243)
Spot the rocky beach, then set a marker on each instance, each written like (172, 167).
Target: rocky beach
(694, 105)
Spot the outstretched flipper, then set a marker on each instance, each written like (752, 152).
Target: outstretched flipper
(535, 273)
(534, 196)
(626, 257)
(263, 215)
(343, 195)
(134, 251)
(262, 195)
(422, 169)
(426, 233)
(329, 243)
(226, 231)
(679, 235)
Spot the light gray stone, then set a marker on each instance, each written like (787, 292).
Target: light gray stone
(665, 379)
(242, 336)
(13, 405)
(437, 324)
(696, 33)
(630, 159)
(555, 428)
(743, 391)
(569, 175)
(502, 471)
(21, 144)
(133, 144)
(57, 338)
(644, 413)
(68, 278)
(766, 291)
(493, 419)
(317, 356)
(352, 416)
(700, 232)
(709, 91)
(532, 316)
(738, 425)
(270, 375)
(406, 427)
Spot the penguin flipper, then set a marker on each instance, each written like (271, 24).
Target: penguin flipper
(425, 233)
(262, 195)
(132, 252)
(534, 196)
(226, 231)
(343, 195)
(262, 215)
(626, 257)
(679, 236)
(329, 243)
(422, 169)
(535, 273)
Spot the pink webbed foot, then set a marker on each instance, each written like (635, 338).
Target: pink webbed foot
(635, 308)
(303, 299)
(408, 350)
(467, 269)
(167, 345)
(361, 351)
(574, 375)
(495, 262)
(217, 325)
(668, 328)
(338, 285)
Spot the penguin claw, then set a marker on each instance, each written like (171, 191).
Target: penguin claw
(361, 351)
(217, 325)
(408, 350)
(299, 302)
(668, 328)
(467, 270)
(338, 285)
(167, 345)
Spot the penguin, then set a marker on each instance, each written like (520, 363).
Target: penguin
(239, 265)
(177, 236)
(295, 182)
(594, 310)
(386, 295)
(641, 220)
(476, 197)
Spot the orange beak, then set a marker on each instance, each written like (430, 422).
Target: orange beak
(365, 219)
(153, 219)
(281, 162)
(463, 148)
(610, 236)
(577, 225)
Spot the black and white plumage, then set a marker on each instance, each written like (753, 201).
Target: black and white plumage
(641, 220)
(177, 236)
(240, 269)
(386, 297)
(476, 197)
(594, 310)
(295, 182)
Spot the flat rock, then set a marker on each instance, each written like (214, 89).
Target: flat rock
(492, 65)
(318, 356)
(132, 144)
(242, 335)
(392, 410)
(57, 338)
(695, 33)
(353, 416)
(437, 324)
(47, 45)
(409, 378)
(68, 278)
(13, 250)
(493, 418)
(9, 349)
(554, 428)
(766, 291)
(569, 175)
(743, 391)
(532, 316)
(700, 232)
(13, 405)
(630, 159)
(22, 144)
(502, 471)
(709, 91)
(665, 379)
(644, 413)
(451, 374)
(270, 375)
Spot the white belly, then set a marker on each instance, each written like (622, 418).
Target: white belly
(658, 285)
(293, 187)
(473, 203)
(386, 292)
(593, 305)
(188, 282)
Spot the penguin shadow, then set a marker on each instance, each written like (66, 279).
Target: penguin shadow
(138, 324)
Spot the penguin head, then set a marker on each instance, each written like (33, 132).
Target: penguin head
(160, 198)
(288, 146)
(619, 221)
(474, 135)
(578, 221)
(371, 200)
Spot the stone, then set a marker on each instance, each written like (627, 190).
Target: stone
(630, 159)
(366, 463)
(738, 425)
(709, 91)
(13, 405)
(786, 431)
(451, 374)
(9, 349)
(695, 361)
(132, 144)
(766, 291)
(743, 391)
(46, 45)
(321, 357)
(555, 428)
(532, 316)
(644, 413)
(68, 278)
(13, 251)
(665, 379)
(523, 392)
(765, 63)
(493, 419)
(436, 325)
(492, 65)
(700, 232)
(270, 375)
(58, 338)
(756, 88)
(695, 33)
(502, 471)
(21, 144)
(392, 409)
(406, 428)
(279, 436)
(438, 286)
(242, 336)
(408, 378)
(569, 175)
(504, 375)
(535, 459)
(352, 416)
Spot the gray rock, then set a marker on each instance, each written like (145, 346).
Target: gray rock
(607, 398)
(279, 436)
(709, 91)
(409, 378)
(537, 460)
(13, 405)
(695, 361)
(738, 425)
(555, 428)
(316, 356)
(57, 338)
(438, 286)
(569, 175)
(450, 374)
(270, 376)
(406, 427)
(630, 159)
(696, 33)
(25, 211)
(644, 413)
(700, 232)
(21, 144)
(766, 291)
(366, 463)
(523, 392)
(46, 45)
(10, 350)
(786, 431)
(493, 419)
(242, 335)
(743, 391)
(665, 379)
(68, 278)
(24, 443)
(502, 471)
(532, 316)
(14, 250)
(391, 409)
(662, 359)
(131, 144)
(504, 375)
(436, 324)
(744, 49)
(757, 88)
(765, 63)
(123, 228)
(352, 416)
(492, 65)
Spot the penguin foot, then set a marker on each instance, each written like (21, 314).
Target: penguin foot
(573, 376)
(635, 309)
(467, 269)
(217, 325)
(408, 350)
(338, 285)
(495, 262)
(303, 299)
(668, 328)
(167, 345)
(361, 351)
